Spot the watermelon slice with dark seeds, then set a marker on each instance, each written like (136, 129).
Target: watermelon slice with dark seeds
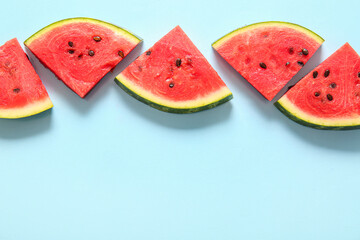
(329, 96)
(173, 76)
(268, 54)
(22, 93)
(80, 51)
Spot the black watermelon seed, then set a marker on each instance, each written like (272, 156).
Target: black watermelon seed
(332, 85)
(301, 63)
(317, 94)
(171, 85)
(148, 53)
(358, 74)
(287, 63)
(329, 97)
(16, 90)
(80, 56)
(178, 62)
(326, 73)
(91, 53)
(305, 51)
(97, 38)
(121, 54)
(315, 74)
(71, 44)
(71, 51)
(291, 50)
(263, 65)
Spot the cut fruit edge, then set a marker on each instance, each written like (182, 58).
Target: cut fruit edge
(28, 110)
(212, 100)
(300, 28)
(121, 31)
(296, 114)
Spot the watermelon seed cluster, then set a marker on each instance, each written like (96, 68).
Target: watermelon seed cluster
(332, 85)
(121, 53)
(291, 50)
(91, 53)
(305, 51)
(16, 90)
(97, 38)
(178, 62)
(315, 74)
(326, 73)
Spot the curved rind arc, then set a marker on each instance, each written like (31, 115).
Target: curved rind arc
(261, 24)
(130, 36)
(224, 96)
(304, 119)
(28, 110)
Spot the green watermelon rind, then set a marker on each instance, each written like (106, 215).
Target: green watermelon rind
(53, 25)
(296, 117)
(305, 30)
(169, 109)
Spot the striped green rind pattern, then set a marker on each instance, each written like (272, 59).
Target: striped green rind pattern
(312, 125)
(170, 109)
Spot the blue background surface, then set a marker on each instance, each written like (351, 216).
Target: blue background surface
(110, 167)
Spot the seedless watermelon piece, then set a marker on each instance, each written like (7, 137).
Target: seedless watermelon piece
(22, 93)
(81, 51)
(329, 96)
(268, 54)
(173, 76)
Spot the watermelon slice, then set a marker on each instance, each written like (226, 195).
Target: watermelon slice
(173, 76)
(329, 96)
(268, 54)
(80, 51)
(22, 93)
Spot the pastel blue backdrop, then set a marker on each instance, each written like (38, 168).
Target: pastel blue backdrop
(110, 167)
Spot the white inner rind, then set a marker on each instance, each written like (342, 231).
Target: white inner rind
(28, 110)
(194, 103)
(308, 32)
(336, 122)
(121, 31)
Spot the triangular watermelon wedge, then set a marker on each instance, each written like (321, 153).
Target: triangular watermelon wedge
(80, 51)
(173, 76)
(268, 54)
(22, 93)
(329, 96)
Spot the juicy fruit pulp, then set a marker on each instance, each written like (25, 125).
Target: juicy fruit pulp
(22, 93)
(174, 76)
(329, 96)
(80, 51)
(268, 54)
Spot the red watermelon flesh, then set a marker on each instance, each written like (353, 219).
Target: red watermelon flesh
(330, 92)
(81, 51)
(21, 91)
(174, 76)
(268, 54)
